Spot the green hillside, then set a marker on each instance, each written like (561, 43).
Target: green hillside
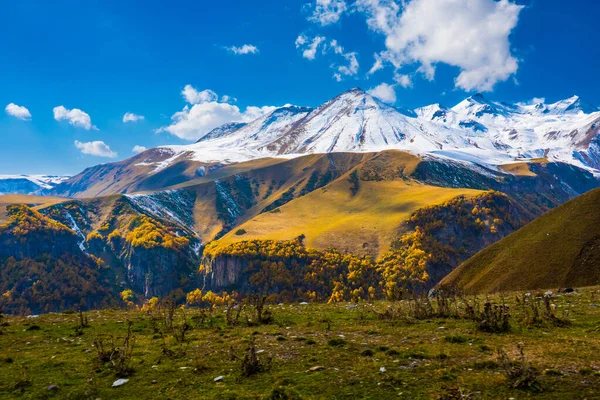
(559, 249)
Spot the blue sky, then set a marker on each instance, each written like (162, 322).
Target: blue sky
(107, 58)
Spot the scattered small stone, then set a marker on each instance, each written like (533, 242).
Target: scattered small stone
(52, 387)
(183, 368)
(119, 382)
(303, 303)
(218, 378)
(154, 381)
(351, 306)
(382, 369)
(259, 351)
(317, 368)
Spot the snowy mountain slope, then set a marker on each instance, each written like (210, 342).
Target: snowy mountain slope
(28, 184)
(477, 129)
(477, 132)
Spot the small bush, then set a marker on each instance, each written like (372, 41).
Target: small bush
(367, 353)
(494, 318)
(519, 372)
(336, 342)
(490, 364)
(251, 364)
(311, 341)
(33, 328)
(283, 393)
(240, 232)
(458, 339)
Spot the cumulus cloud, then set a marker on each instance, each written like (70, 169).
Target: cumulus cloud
(310, 48)
(192, 123)
(131, 117)
(194, 96)
(75, 117)
(16, 111)
(328, 12)
(95, 148)
(138, 149)
(472, 35)
(243, 50)
(384, 92)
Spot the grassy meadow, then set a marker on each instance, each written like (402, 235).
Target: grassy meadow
(410, 349)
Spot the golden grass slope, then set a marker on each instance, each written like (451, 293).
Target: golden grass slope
(559, 249)
(36, 202)
(365, 223)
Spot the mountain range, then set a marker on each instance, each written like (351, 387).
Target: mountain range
(476, 132)
(355, 174)
(29, 184)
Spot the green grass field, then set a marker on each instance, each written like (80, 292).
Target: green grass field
(317, 351)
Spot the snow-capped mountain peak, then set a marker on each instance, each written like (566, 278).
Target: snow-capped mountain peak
(572, 105)
(477, 130)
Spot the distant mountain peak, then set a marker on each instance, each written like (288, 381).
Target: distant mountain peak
(572, 105)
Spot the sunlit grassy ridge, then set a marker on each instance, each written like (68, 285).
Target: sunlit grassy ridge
(34, 201)
(355, 352)
(362, 221)
(558, 249)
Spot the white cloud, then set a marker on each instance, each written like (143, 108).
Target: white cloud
(192, 123)
(352, 67)
(472, 35)
(384, 92)
(76, 117)
(538, 100)
(96, 148)
(193, 96)
(310, 48)
(328, 12)
(403, 80)
(532, 102)
(377, 65)
(138, 149)
(131, 117)
(228, 99)
(19, 112)
(245, 49)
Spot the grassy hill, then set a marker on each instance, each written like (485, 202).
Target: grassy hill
(559, 249)
(362, 212)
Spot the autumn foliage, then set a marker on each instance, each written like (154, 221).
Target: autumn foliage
(148, 233)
